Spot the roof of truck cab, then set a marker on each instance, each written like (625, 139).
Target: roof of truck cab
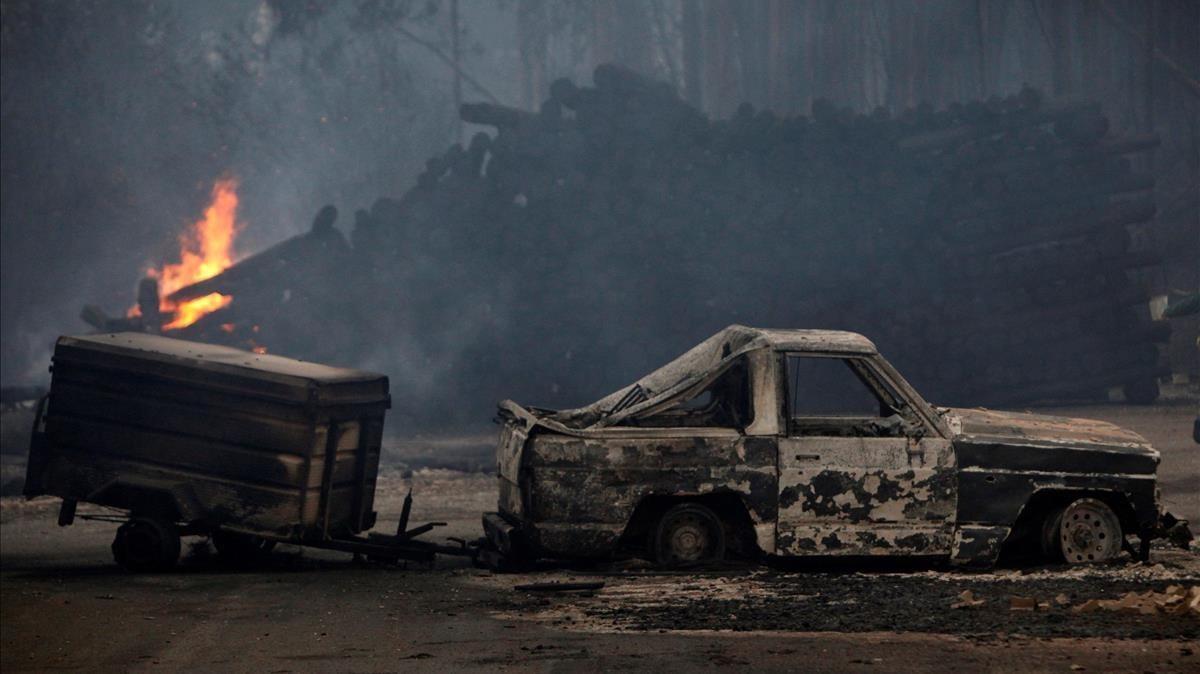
(213, 357)
(839, 341)
(705, 359)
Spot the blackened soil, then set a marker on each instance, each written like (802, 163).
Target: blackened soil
(864, 603)
(786, 600)
(810, 602)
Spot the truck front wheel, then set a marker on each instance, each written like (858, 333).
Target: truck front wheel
(1086, 531)
(688, 534)
(146, 544)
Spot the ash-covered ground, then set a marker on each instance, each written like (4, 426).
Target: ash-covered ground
(65, 605)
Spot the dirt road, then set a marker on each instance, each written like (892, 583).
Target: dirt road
(64, 605)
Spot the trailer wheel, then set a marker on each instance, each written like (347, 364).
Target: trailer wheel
(146, 544)
(241, 548)
(688, 534)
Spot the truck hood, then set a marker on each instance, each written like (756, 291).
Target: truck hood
(1038, 429)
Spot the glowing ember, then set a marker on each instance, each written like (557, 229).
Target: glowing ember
(205, 250)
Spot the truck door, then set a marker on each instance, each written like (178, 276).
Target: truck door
(859, 472)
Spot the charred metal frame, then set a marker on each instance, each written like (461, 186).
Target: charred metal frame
(953, 484)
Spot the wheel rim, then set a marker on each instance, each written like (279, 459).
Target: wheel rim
(1090, 532)
(689, 539)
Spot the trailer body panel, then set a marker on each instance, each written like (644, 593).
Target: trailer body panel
(211, 436)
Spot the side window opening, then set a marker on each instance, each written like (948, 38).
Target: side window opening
(725, 403)
(840, 397)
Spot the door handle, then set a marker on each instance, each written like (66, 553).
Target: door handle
(808, 457)
(916, 452)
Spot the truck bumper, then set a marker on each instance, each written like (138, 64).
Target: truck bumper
(500, 533)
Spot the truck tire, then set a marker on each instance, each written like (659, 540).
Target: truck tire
(241, 548)
(688, 534)
(146, 544)
(1086, 531)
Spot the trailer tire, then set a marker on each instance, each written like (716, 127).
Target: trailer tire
(241, 548)
(146, 544)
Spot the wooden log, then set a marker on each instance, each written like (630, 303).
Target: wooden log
(943, 138)
(996, 235)
(322, 247)
(492, 114)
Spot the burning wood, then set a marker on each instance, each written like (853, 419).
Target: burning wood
(285, 261)
(284, 293)
(205, 251)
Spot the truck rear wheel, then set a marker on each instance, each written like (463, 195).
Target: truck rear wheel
(687, 534)
(146, 543)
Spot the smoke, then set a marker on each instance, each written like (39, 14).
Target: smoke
(117, 119)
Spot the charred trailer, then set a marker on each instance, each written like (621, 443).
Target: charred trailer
(188, 438)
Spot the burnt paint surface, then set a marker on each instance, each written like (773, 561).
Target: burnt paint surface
(865, 496)
(1045, 457)
(998, 478)
(593, 485)
(830, 495)
(978, 545)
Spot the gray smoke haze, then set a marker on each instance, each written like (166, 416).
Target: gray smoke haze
(588, 255)
(118, 117)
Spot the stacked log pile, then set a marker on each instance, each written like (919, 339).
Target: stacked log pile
(986, 248)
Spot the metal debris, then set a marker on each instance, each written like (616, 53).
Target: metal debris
(968, 600)
(1022, 604)
(1175, 600)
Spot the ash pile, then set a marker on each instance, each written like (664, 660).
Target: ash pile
(988, 249)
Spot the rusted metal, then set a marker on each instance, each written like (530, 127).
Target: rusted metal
(958, 484)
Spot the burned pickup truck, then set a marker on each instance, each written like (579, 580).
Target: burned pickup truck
(808, 442)
(181, 438)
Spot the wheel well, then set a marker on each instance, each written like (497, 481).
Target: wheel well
(727, 505)
(1027, 526)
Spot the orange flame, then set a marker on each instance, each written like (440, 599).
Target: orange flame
(205, 250)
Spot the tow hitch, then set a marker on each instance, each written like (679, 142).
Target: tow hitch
(1175, 530)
